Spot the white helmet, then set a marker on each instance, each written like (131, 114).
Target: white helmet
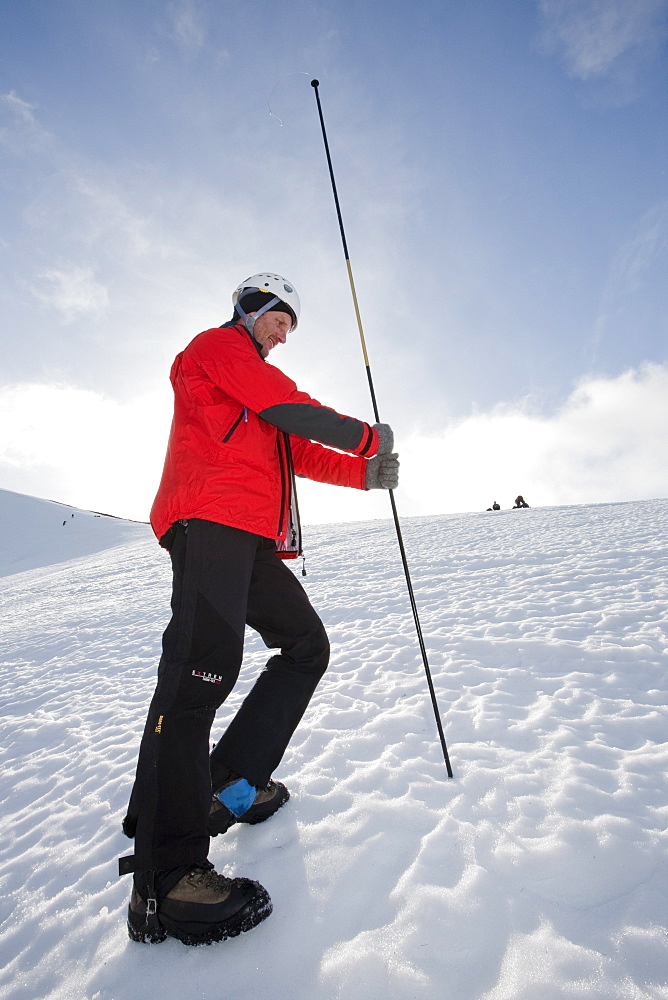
(277, 290)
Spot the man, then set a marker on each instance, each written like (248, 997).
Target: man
(225, 510)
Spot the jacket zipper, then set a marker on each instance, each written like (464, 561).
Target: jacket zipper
(281, 464)
(243, 415)
(296, 528)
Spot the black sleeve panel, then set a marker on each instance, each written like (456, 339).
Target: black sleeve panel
(317, 423)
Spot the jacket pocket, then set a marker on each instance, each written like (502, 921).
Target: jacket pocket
(242, 416)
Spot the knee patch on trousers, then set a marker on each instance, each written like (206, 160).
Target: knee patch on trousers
(215, 651)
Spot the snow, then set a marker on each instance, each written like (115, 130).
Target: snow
(538, 873)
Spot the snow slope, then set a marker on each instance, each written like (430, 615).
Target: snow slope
(538, 873)
(38, 533)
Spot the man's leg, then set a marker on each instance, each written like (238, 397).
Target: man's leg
(176, 891)
(202, 650)
(279, 609)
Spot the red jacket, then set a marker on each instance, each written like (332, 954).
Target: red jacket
(240, 427)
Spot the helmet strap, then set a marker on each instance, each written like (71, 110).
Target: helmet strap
(249, 321)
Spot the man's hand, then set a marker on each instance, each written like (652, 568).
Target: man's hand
(385, 439)
(382, 472)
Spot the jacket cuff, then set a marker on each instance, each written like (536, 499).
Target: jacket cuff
(369, 444)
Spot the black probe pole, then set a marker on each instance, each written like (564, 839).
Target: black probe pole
(315, 84)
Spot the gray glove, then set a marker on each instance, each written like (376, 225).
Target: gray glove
(386, 439)
(382, 472)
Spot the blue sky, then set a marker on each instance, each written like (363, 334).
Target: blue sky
(502, 172)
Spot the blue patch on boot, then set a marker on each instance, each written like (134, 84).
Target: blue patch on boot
(238, 797)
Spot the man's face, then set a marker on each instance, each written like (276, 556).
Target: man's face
(270, 329)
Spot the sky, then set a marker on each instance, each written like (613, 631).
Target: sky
(502, 175)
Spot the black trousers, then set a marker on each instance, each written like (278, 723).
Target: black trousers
(223, 579)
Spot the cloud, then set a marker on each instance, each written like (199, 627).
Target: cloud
(77, 200)
(22, 109)
(637, 270)
(72, 291)
(636, 256)
(20, 131)
(80, 447)
(188, 24)
(606, 443)
(594, 35)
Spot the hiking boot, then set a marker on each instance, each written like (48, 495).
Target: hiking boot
(267, 801)
(201, 908)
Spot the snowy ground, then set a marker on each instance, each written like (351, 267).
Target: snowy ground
(538, 873)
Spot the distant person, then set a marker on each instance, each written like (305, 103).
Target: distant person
(495, 506)
(520, 502)
(226, 513)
